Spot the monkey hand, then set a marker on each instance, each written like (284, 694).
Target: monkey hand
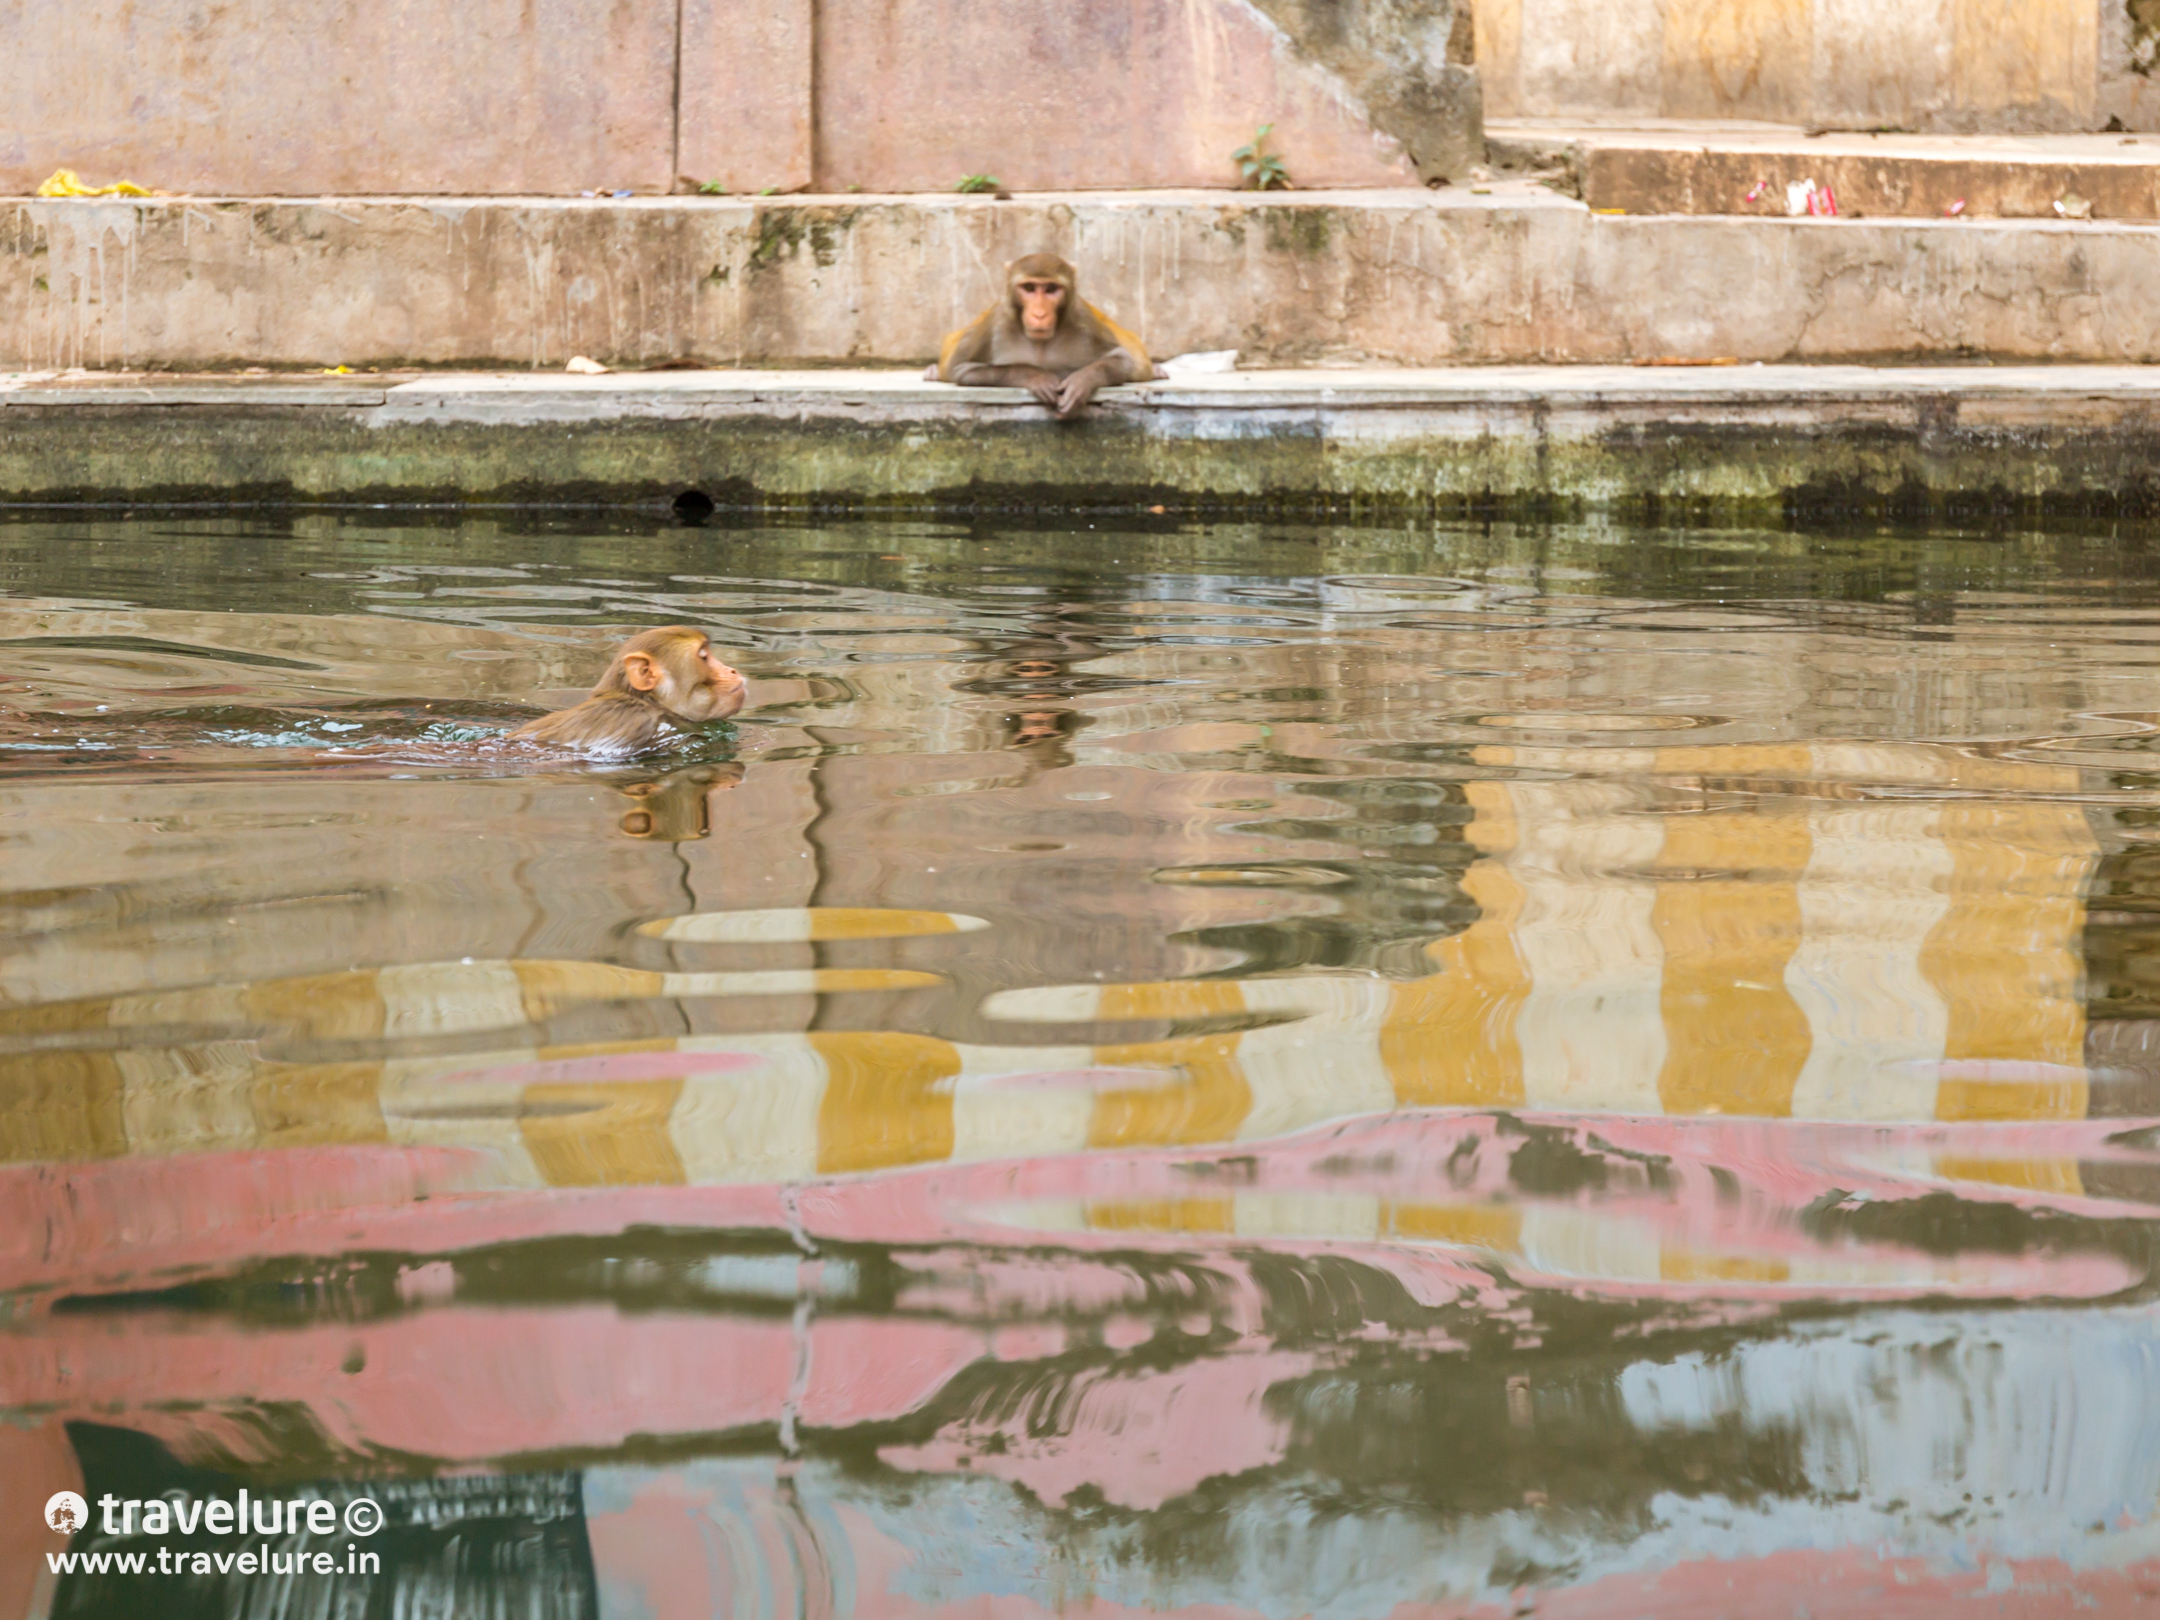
(1074, 393)
(1044, 385)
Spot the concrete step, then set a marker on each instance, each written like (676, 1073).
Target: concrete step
(1746, 168)
(1508, 273)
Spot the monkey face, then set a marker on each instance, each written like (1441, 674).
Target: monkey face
(704, 688)
(1042, 302)
(686, 678)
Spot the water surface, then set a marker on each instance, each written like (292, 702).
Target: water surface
(1240, 1071)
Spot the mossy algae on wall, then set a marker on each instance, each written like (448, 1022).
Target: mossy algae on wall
(1745, 446)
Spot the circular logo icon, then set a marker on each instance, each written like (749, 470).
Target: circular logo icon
(66, 1513)
(363, 1516)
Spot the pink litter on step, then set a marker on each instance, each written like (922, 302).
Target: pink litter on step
(1954, 209)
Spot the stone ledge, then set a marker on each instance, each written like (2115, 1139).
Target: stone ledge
(1717, 169)
(1756, 441)
(488, 395)
(1518, 275)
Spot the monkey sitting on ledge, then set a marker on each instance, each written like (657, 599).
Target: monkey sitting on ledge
(658, 679)
(1044, 337)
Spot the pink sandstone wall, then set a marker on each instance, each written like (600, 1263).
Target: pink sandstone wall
(1086, 94)
(494, 97)
(312, 96)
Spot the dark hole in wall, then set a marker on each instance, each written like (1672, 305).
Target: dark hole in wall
(693, 506)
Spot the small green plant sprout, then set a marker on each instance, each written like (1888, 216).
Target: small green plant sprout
(971, 184)
(1263, 170)
(712, 188)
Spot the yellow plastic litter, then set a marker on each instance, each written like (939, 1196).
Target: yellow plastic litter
(67, 183)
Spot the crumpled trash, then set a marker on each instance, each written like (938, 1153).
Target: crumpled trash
(67, 183)
(2071, 206)
(1798, 195)
(1196, 365)
(584, 366)
(1806, 197)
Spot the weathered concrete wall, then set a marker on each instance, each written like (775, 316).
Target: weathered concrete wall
(2129, 56)
(2002, 65)
(913, 94)
(1918, 442)
(1410, 277)
(1408, 63)
(494, 97)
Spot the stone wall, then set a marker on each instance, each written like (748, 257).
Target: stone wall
(1409, 277)
(1994, 65)
(505, 97)
(2129, 56)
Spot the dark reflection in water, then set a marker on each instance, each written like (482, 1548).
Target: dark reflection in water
(1242, 1071)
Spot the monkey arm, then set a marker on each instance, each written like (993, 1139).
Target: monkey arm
(965, 349)
(1122, 343)
(1118, 366)
(1119, 358)
(1044, 385)
(965, 360)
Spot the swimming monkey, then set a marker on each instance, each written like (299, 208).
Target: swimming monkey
(657, 679)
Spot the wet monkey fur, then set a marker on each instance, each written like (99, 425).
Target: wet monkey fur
(657, 679)
(1044, 337)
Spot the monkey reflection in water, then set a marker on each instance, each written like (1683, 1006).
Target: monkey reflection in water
(1044, 337)
(1043, 738)
(676, 808)
(660, 682)
(1042, 733)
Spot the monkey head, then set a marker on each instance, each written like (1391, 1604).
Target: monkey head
(676, 669)
(1041, 287)
(655, 677)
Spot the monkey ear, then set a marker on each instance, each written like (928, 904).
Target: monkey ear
(640, 671)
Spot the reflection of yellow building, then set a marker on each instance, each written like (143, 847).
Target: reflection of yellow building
(1797, 949)
(1679, 931)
